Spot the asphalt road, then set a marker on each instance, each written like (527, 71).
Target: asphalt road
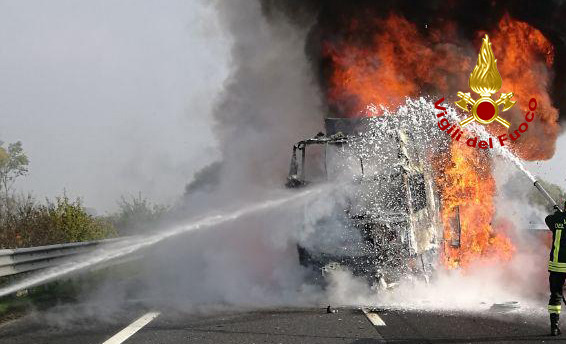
(295, 325)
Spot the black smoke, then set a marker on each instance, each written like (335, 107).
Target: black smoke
(332, 18)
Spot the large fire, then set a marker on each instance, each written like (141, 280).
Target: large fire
(524, 59)
(399, 60)
(467, 187)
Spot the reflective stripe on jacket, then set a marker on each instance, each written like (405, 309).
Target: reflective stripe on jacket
(557, 260)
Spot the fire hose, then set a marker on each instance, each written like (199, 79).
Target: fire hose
(547, 196)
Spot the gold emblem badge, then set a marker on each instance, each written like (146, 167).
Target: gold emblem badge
(485, 80)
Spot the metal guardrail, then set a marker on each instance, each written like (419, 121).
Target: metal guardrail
(15, 261)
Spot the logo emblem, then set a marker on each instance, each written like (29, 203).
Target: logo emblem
(485, 80)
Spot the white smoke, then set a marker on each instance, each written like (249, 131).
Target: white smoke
(269, 101)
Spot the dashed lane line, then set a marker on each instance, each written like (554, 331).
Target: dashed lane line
(374, 318)
(131, 329)
(376, 321)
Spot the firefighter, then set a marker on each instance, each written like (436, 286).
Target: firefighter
(556, 266)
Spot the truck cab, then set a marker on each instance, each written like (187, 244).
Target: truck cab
(381, 220)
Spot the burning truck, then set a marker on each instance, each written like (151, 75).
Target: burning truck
(383, 52)
(383, 220)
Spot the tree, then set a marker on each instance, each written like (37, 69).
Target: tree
(137, 214)
(59, 221)
(13, 164)
(70, 219)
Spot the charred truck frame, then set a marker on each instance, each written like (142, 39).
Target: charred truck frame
(383, 222)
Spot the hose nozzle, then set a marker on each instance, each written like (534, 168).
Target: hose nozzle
(547, 196)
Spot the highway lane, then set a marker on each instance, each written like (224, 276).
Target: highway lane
(284, 325)
(460, 327)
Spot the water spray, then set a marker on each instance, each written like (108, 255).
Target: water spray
(133, 244)
(507, 154)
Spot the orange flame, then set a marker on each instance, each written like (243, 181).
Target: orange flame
(468, 187)
(401, 60)
(524, 58)
(391, 68)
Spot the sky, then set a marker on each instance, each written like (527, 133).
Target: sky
(112, 97)
(553, 170)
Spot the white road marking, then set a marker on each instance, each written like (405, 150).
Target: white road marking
(134, 327)
(373, 317)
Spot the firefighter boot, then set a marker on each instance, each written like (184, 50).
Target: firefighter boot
(554, 330)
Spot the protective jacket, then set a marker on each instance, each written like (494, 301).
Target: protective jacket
(556, 223)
